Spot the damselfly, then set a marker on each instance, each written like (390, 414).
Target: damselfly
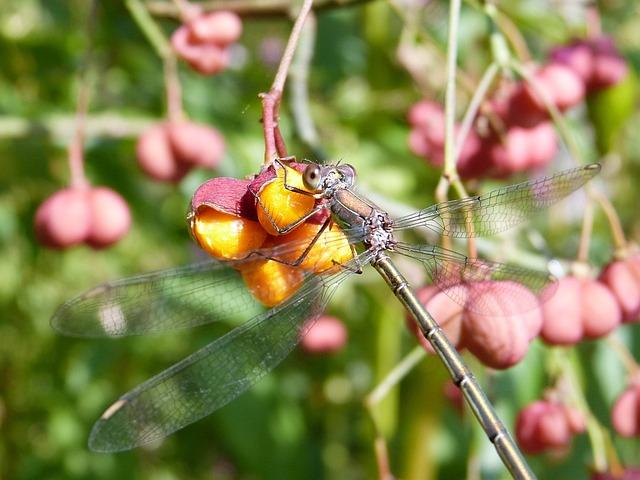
(211, 292)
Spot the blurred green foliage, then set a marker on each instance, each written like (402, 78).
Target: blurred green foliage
(305, 420)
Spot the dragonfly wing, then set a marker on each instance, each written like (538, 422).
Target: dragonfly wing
(481, 286)
(213, 376)
(159, 301)
(499, 209)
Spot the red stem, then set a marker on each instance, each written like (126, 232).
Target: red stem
(274, 146)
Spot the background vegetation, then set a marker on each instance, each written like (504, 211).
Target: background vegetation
(306, 420)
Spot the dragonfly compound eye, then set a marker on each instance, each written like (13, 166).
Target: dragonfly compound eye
(312, 177)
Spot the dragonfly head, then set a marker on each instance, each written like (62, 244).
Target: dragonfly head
(319, 178)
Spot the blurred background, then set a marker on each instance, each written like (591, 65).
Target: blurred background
(306, 420)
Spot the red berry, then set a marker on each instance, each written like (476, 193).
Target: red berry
(196, 144)
(580, 308)
(445, 311)
(524, 149)
(156, 157)
(327, 335)
(500, 339)
(597, 61)
(558, 83)
(562, 314)
(546, 425)
(419, 145)
(623, 278)
(428, 117)
(578, 56)
(600, 311)
(204, 41)
(609, 68)
(426, 138)
(554, 83)
(625, 415)
(110, 217)
(64, 219)
(221, 27)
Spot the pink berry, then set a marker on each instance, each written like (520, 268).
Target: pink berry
(196, 144)
(427, 138)
(562, 314)
(473, 159)
(546, 425)
(427, 135)
(444, 310)
(211, 59)
(110, 217)
(578, 56)
(560, 84)
(597, 62)
(428, 116)
(554, 83)
(581, 308)
(221, 27)
(327, 335)
(600, 311)
(206, 58)
(609, 68)
(623, 278)
(420, 146)
(524, 149)
(625, 415)
(204, 41)
(156, 157)
(543, 144)
(64, 219)
(500, 340)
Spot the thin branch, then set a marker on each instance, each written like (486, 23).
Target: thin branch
(274, 145)
(76, 145)
(248, 8)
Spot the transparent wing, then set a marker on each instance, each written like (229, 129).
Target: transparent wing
(180, 297)
(159, 301)
(499, 209)
(214, 375)
(468, 281)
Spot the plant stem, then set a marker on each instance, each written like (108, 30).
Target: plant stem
(273, 142)
(76, 145)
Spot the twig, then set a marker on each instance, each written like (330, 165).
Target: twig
(76, 145)
(247, 8)
(273, 142)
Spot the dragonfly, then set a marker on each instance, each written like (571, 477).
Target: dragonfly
(213, 291)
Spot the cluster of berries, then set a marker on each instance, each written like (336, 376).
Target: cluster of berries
(549, 425)
(231, 218)
(589, 308)
(582, 308)
(497, 340)
(204, 41)
(169, 150)
(166, 152)
(514, 132)
(97, 216)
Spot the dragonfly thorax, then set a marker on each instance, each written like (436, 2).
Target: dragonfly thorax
(379, 232)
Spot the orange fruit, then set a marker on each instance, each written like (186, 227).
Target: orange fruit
(225, 236)
(330, 249)
(281, 206)
(270, 281)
